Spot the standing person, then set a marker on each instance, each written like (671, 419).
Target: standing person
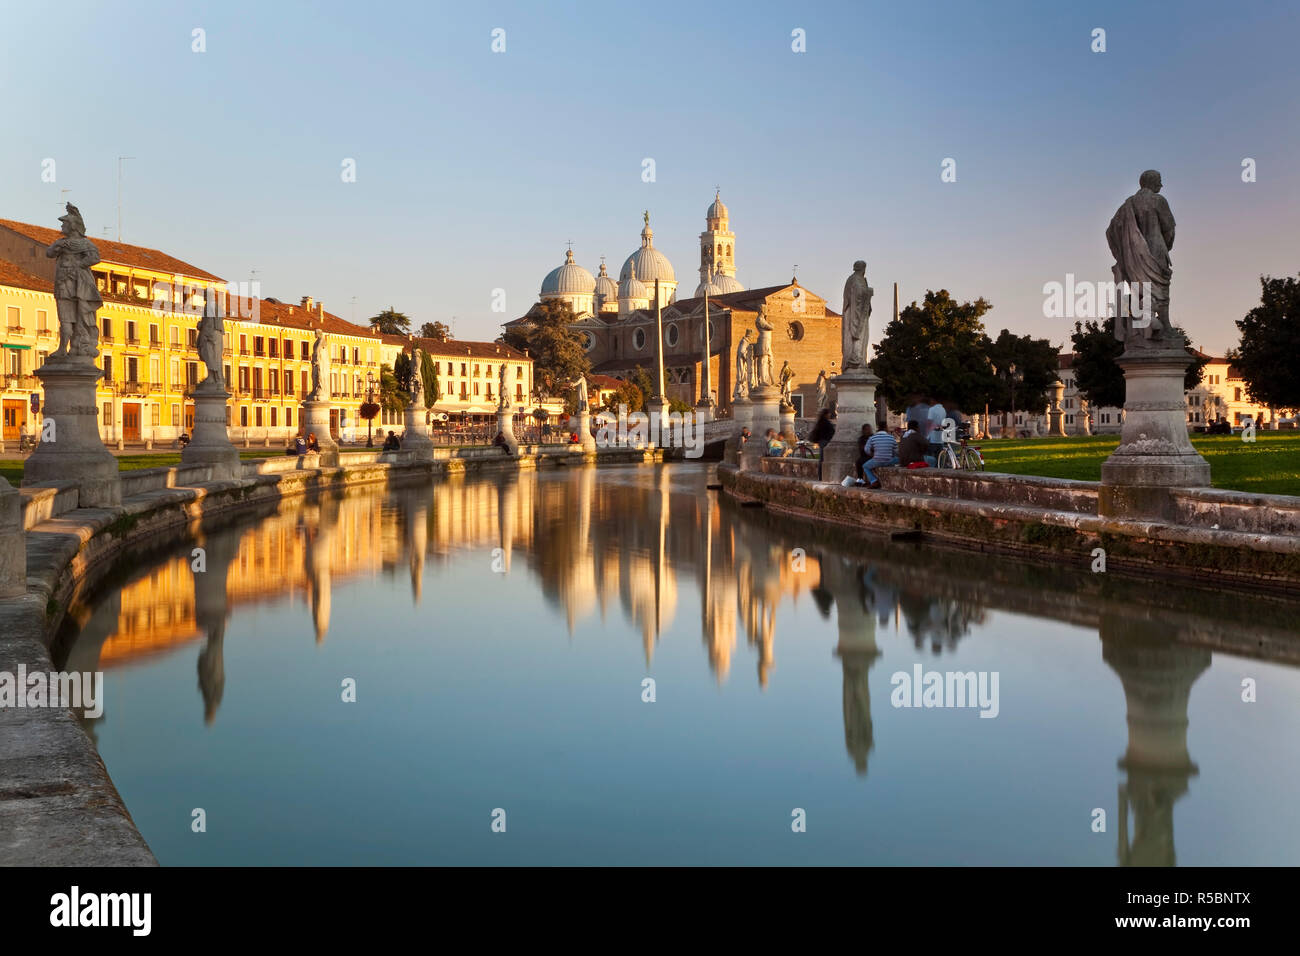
(882, 452)
(918, 411)
(823, 431)
(934, 430)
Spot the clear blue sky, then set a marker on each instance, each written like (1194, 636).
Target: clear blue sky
(474, 168)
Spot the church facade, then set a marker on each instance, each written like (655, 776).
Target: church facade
(616, 320)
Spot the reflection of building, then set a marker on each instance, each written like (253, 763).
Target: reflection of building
(1157, 675)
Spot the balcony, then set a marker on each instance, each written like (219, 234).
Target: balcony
(139, 389)
(19, 383)
(15, 330)
(132, 340)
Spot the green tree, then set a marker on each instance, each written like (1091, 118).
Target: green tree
(435, 330)
(936, 348)
(629, 394)
(557, 352)
(1270, 345)
(391, 395)
(429, 379)
(391, 322)
(402, 371)
(644, 384)
(1036, 362)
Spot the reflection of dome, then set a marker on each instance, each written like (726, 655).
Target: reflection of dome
(649, 262)
(568, 279)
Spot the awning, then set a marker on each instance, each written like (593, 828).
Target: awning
(9, 346)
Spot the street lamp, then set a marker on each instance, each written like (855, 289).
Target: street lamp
(369, 410)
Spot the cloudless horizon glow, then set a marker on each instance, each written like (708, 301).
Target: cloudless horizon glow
(474, 169)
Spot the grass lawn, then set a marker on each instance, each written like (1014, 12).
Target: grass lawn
(12, 469)
(1269, 465)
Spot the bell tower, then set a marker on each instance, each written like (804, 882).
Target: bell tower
(717, 242)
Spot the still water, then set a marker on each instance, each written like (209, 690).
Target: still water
(500, 633)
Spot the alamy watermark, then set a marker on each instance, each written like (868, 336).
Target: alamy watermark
(946, 689)
(639, 429)
(66, 691)
(1084, 299)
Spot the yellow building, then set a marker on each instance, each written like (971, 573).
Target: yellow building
(148, 347)
(468, 376)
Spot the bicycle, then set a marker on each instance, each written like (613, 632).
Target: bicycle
(960, 454)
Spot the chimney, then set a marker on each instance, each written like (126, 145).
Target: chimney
(320, 309)
(306, 302)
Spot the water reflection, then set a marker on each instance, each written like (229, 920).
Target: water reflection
(630, 542)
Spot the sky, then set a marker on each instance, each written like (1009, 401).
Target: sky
(475, 168)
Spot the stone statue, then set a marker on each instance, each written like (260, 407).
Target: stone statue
(1140, 235)
(787, 382)
(857, 318)
(417, 382)
(763, 348)
(211, 339)
(320, 369)
(582, 393)
(503, 388)
(75, 293)
(744, 366)
(821, 390)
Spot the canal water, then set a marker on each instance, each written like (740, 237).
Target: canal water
(621, 666)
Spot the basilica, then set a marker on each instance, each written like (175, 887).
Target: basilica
(615, 320)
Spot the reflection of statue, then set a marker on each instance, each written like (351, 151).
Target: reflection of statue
(320, 365)
(582, 393)
(211, 333)
(821, 390)
(857, 316)
(75, 293)
(787, 381)
(744, 366)
(1140, 235)
(763, 348)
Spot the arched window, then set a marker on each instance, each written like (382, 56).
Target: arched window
(671, 334)
(638, 339)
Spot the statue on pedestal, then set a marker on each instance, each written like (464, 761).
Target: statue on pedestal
(75, 293)
(582, 393)
(211, 339)
(763, 348)
(744, 367)
(855, 329)
(822, 397)
(1140, 235)
(787, 382)
(320, 369)
(503, 388)
(417, 383)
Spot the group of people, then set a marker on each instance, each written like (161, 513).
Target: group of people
(915, 446)
(302, 446)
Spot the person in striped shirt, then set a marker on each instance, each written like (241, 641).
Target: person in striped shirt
(882, 451)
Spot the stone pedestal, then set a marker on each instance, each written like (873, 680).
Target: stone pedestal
(316, 420)
(506, 426)
(416, 438)
(13, 543)
(703, 413)
(766, 403)
(787, 424)
(71, 449)
(1154, 453)
(742, 416)
(210, 444)
(857, 407)
(585, 438)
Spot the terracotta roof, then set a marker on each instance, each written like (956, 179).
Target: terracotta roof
(454, 348)
(12, 275)
(117, 253)
(604, 381)
(288, 316)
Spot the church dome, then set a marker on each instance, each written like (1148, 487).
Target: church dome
(710, 287)
(630, 287)
(606, 287)
(725, 283)
(717, 209)
(648, 262)
(568, 279)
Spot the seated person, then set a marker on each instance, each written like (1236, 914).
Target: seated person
(914, 449)
(882, 451)
(391, 443)
(776, 447)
